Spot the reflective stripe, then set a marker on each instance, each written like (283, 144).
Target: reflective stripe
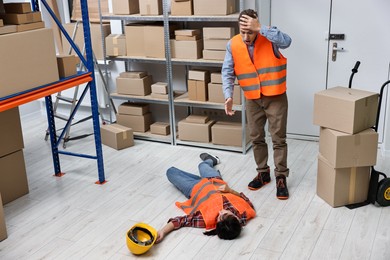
(272, 69)
(250, 88)
(247, 76)
(208, 195)
(194, 198)
(272, 82)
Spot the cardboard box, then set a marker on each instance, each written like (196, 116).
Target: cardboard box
(137, 109)
(214, 7)
(214, 55)
(160, 88)
(133, 74)
(17, 8)
(342, 186)
(137, 123)
(346, 110)
(194, 131)
(29, 26)
(186, 49)
(150, 7)
(197, 119)
(97, 34)
(215, 94)
(67, 65)
(182, 8)
(32, 17)
(1, 23)
(117, 136)
(216, 77)
(218, 32)
(154, 41)
(187, 38)
(39, 67)
(8, 29)
(227, 133)
(215, 44)
(116, 45)
(13, 179)
(132, 86)
(3, 227)
(11, 137)
(135, 42)
(187, 32)
(197, 90)
(202, 75)
(343, 150)
(160, 128)
(125, 6)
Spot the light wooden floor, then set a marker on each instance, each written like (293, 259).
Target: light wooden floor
(73, 218)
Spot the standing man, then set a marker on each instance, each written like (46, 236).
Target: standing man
(253, 57)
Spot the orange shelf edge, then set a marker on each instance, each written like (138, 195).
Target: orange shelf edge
(43, 92)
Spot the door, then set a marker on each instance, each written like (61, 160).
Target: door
(364, 25)
(367, 39)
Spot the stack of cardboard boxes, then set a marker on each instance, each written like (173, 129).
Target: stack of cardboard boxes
(216, 93)
(18, 17)
(348, 146)
(136, 116)
(187, 44)
(214, 42)
(136, 83)
(13, 178)
(197, 84)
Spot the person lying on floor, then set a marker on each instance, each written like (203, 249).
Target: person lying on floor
(211, 203)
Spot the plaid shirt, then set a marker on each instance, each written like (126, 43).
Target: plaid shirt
(196, 219)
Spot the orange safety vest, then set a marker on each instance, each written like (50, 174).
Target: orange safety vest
(206, 198)
(266, 75)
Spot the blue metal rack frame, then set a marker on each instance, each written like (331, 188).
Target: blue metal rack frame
(91, 86)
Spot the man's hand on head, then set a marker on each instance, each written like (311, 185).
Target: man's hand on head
(249, 23)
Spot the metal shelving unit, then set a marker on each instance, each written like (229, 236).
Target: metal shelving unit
(181, 100)
(46, 91)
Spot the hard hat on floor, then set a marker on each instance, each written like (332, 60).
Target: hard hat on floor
(140, 238)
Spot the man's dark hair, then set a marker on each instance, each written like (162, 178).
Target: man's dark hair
(248, 12)
(228, 229)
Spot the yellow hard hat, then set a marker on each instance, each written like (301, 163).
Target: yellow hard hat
(140, 238)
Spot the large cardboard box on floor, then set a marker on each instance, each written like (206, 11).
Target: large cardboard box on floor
(214, 7)
(29, 61)
(228, 133)
(196, 132)
(342, 186)
(13, 179)
(117, 136)
(116, 45)
(137, 123)
(182, 7)
(11, 137)
(344, 109)
(150, 7)
(3, 227)
(134, 86)
(97, 34)
(345, 150)
(125, 6)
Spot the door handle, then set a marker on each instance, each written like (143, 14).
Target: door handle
(335, 49)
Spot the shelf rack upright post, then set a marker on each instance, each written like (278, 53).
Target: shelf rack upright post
(91, 86)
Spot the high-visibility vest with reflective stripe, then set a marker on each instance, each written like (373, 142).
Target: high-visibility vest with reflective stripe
(266, 75)
(206, 198)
